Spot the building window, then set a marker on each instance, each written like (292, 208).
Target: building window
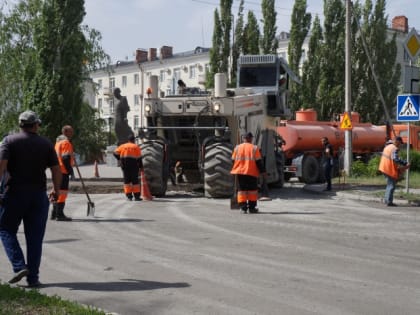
(136, 122)
(162, 75)
(100, 84)
(136, 79)
(111, 83)
(177, 74)
(136, 99)
(99, 105)
(124, 81)
(111, 106)
(192, 71)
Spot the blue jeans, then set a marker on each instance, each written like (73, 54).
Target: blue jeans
(32, 209)
(390, 188)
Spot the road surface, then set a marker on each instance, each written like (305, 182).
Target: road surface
(304, 253)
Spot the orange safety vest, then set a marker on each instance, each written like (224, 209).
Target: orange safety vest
(128, 150)
(245, 156)
(387, 165)
(63, 147)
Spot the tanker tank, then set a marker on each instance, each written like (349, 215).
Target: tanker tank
(304, 134)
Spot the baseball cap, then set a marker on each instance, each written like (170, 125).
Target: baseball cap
(399, 139)
(28, 118)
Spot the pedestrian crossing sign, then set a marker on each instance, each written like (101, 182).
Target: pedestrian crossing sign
(346, 122)
(408, 107)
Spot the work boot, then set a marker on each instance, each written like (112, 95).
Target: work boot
(60, 213)
(252, 206)
(243, 207)
(129, 196)
(54, 212)
(137, 197)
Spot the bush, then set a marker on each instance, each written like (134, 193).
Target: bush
(358, 169)
(414, 159)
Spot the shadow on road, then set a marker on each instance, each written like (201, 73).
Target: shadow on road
(123, 285)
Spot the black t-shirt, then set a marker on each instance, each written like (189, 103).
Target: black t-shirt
(28, 155)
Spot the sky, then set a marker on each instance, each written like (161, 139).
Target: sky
(126, 25)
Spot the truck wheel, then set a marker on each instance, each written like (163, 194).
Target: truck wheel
(310, 170)
(156, 167)
(218, 182)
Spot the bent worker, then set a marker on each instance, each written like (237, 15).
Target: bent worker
(129, 155)
(390, 166)
(65, 154)
(247, 166)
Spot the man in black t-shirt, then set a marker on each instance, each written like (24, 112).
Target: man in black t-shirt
(25, 156)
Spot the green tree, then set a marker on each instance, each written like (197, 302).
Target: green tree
(251, 36)
(220, 52)
(238, 42)
(269, 42)
(312, 68)
(301, 23)
(226, 26)
(45, 59)
(215, 51)
(332, 75)
(383, 54)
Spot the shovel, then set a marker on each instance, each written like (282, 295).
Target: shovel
(90, 204)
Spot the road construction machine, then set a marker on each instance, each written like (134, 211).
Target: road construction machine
(199, 130)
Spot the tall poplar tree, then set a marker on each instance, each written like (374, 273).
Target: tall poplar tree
(226, 26)
(332, 76)
(300, 26)
(251, 36)
(269, 41)
(215, 51)
(312, 68)
(238, 42)
(220, 53)
(383, 54)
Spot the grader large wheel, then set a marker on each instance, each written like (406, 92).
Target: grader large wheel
(218, 182)
(156, 167)
(280, 166)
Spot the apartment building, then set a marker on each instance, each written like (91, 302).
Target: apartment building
(132, 78)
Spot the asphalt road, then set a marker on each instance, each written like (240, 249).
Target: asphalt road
(304, 253)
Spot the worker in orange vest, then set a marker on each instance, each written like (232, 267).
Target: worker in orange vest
(129, 155)
(247, 166)
(391, 165)
(65, 154)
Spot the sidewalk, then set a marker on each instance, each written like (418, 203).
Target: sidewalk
(105, 172)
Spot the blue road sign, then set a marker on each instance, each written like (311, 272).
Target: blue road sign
(408, 107)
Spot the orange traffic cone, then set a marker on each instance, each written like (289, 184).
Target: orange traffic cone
(145, 192)
(96, 171)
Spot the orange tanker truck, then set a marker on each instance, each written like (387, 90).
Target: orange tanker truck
(303, 148)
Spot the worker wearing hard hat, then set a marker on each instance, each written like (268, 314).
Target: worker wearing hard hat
(247, 166)
(391, 165)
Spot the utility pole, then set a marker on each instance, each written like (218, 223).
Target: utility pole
(348, 155)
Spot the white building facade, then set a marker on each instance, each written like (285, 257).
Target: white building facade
(132, 77)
